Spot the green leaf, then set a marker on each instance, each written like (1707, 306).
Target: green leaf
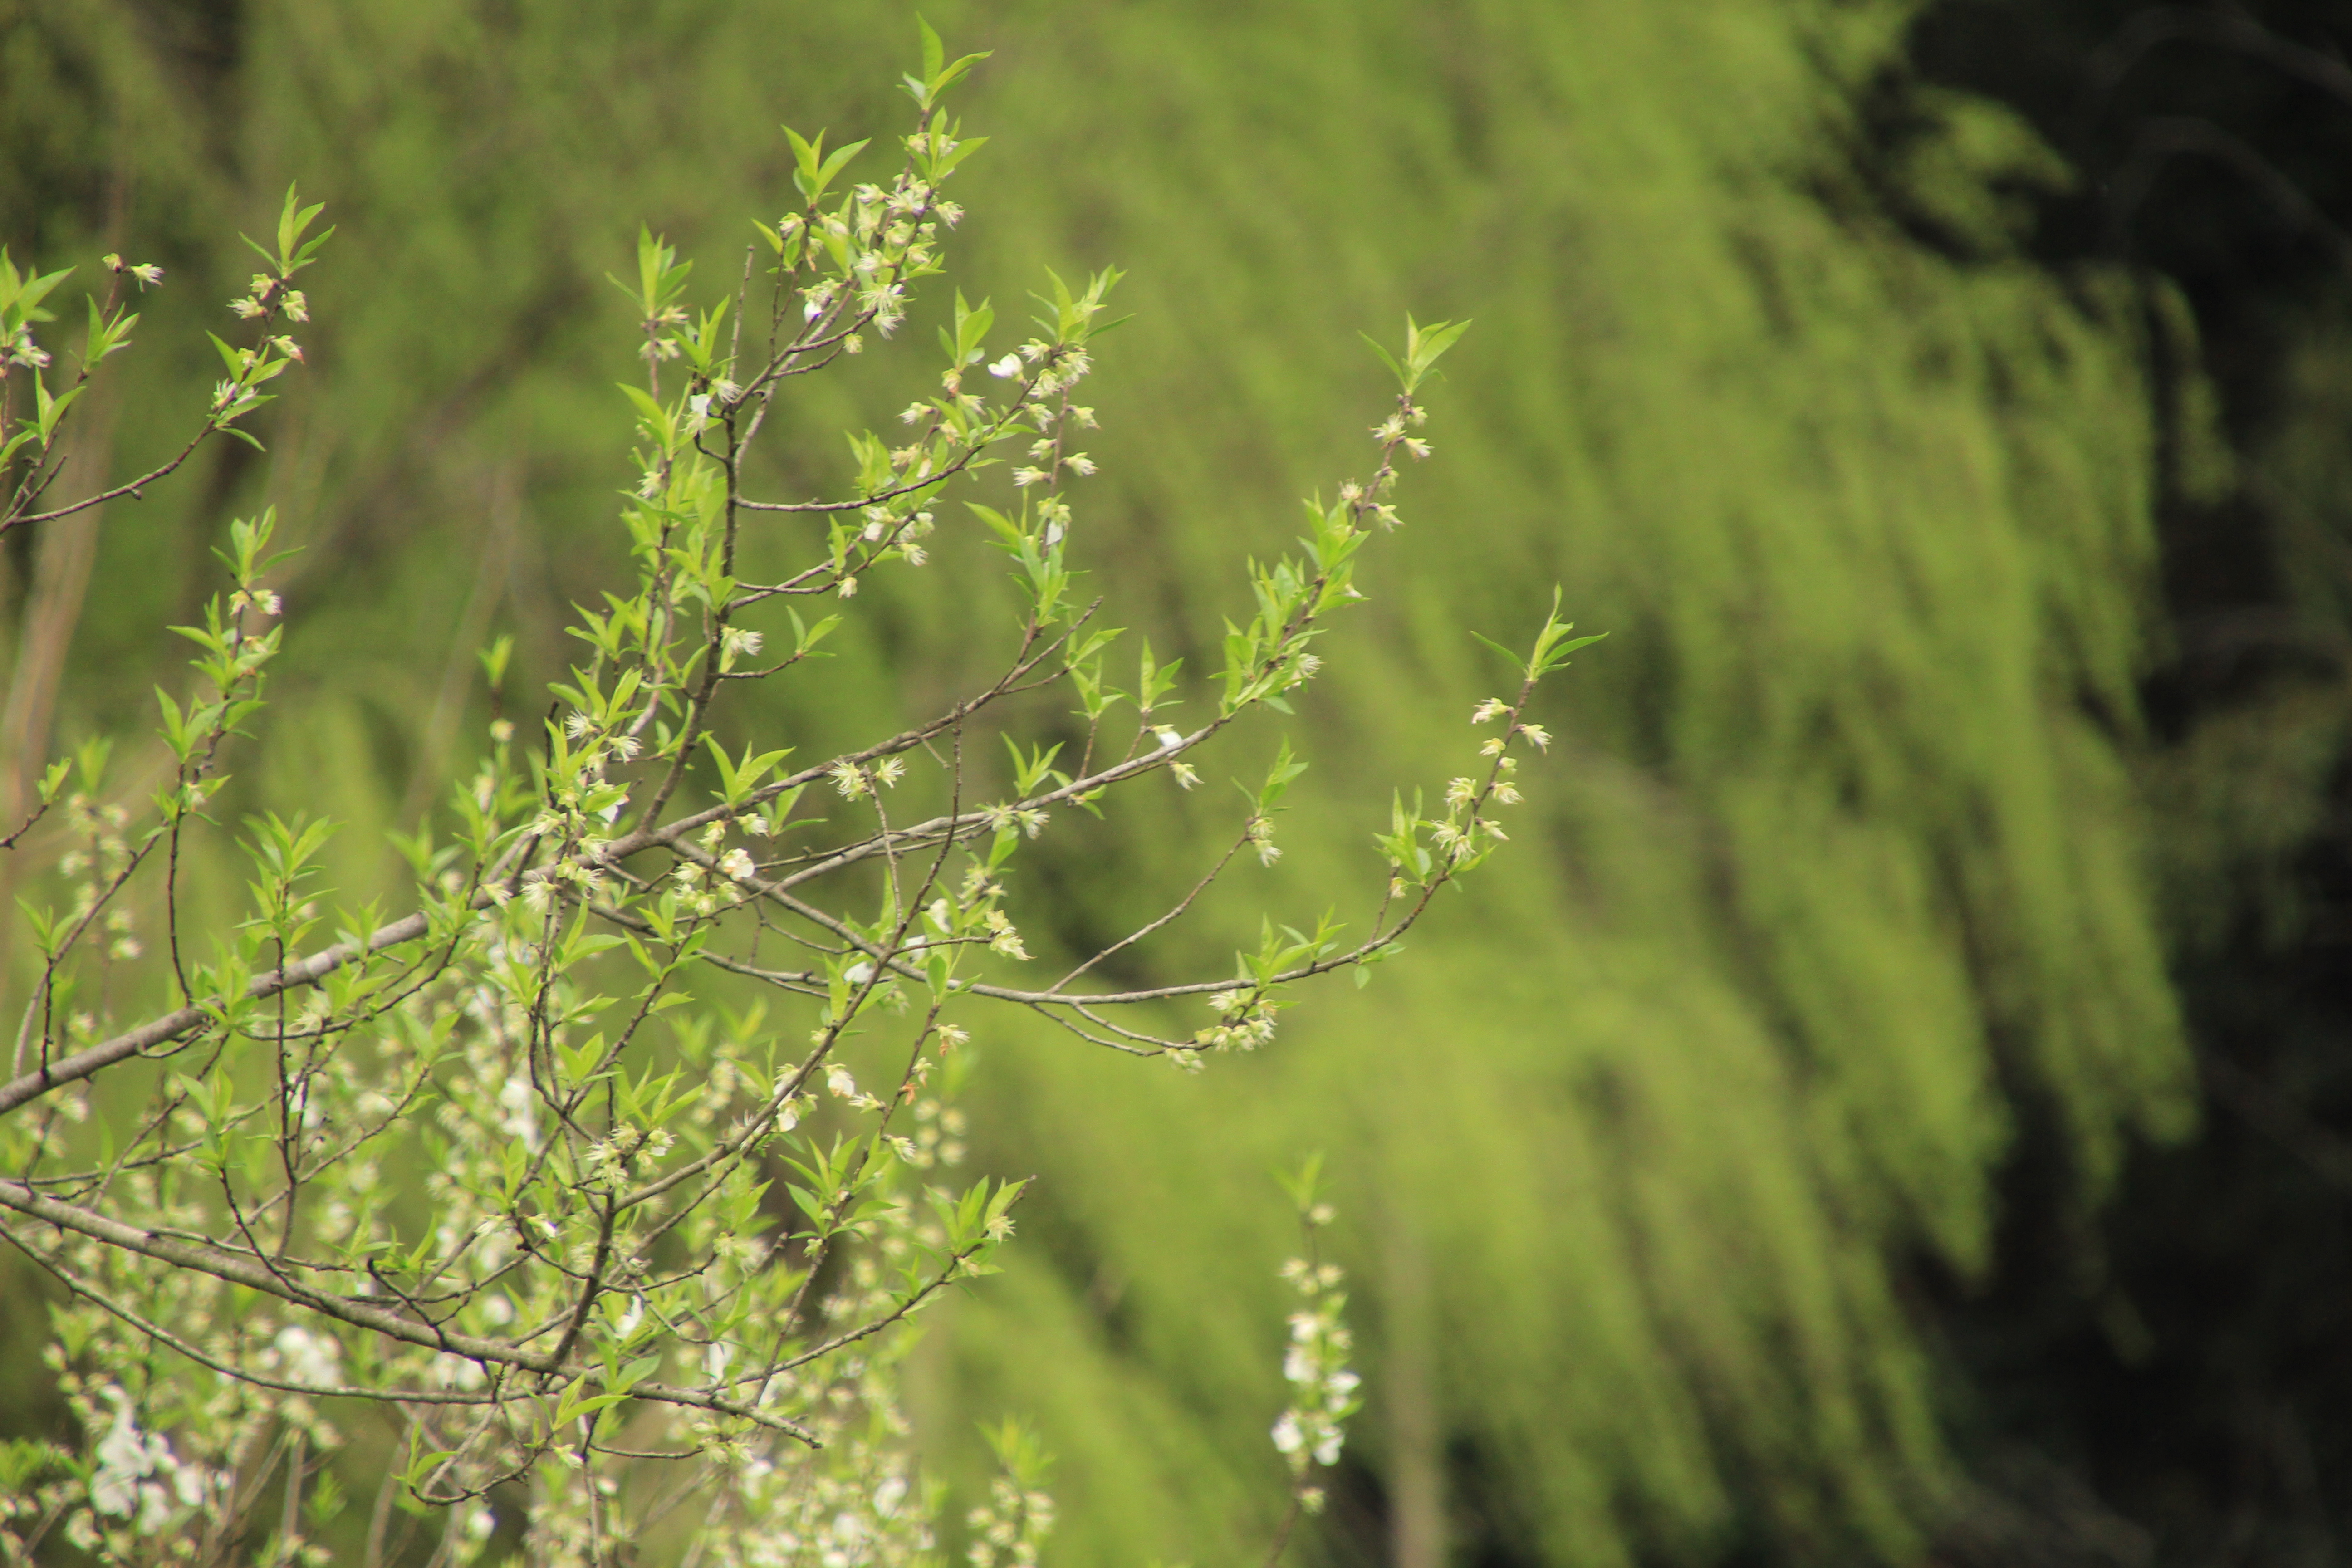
(834, 164)
(1425, 345)
(1516, 662)
(234, 358)
(933, 52)
(1554, 657)
(657, 420)
(21, 293)
(1305, 1184)
(815, 170)
(1278, 779)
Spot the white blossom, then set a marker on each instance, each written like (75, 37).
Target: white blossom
(306, 1357)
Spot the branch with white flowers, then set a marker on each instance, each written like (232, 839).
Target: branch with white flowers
(507, 1173)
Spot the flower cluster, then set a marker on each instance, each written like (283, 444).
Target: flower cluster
(1245, 1020)
(1312, 1429)
(1315, 1425)
(1010, 1527)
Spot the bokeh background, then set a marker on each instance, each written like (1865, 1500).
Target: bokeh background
(1888, 1107)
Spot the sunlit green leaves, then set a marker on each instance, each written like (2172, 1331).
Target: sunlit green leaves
(293, 252)
(1423, 346)
(939, 73)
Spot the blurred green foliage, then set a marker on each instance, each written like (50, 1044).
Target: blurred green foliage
(1834, 877)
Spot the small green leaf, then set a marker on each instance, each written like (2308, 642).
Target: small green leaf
(1516, 662)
